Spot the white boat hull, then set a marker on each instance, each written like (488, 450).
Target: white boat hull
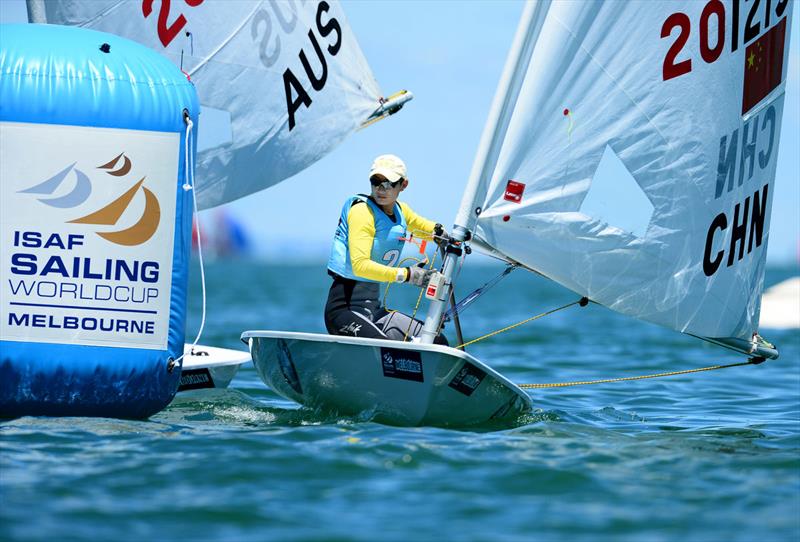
(396, 383)
(209, 367)
(780, 305)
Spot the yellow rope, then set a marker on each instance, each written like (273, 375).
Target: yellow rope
(385, 299)
(753, 361)
(512, 326)
(419, 300)
(419, 297)
(421, 234)
(641, 377)
(583, 301)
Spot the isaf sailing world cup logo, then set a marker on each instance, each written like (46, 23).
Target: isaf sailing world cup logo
(109, 214)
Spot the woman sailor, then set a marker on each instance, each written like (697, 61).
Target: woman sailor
(366, 248)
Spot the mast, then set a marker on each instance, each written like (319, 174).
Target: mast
(488, 150)
(36, 13)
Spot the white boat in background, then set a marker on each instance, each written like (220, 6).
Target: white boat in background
(693, 134)
(780, 305)
(210, 367)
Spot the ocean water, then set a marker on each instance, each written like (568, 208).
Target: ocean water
(704, 457)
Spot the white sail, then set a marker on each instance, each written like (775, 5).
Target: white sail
(290, 74)
(685, 99)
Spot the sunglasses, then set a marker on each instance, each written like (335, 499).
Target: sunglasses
(385, 184)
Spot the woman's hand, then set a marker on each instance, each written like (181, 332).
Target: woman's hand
(419, 275)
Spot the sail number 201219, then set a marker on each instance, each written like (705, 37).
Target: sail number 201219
(712, 24)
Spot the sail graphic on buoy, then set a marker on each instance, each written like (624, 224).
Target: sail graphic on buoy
(79, 194)
(111, 213)
(123, 169)
(50, 185)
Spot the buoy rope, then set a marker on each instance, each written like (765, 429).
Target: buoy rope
(188, 185)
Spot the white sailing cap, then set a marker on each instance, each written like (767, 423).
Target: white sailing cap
(390, 166)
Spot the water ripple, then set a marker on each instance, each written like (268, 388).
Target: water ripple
(704, 457)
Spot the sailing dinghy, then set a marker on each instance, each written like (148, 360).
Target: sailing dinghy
(684, 99)
(392, 382)
(209, 366)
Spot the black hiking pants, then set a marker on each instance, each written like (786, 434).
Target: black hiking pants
(354, 309)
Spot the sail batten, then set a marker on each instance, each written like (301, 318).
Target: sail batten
(698, 138)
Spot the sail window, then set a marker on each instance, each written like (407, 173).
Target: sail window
(216, 128)
(616, 198)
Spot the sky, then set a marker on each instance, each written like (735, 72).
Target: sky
(450, 55)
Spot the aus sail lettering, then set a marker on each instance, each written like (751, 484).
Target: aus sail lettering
(294, 88)
(286, 15)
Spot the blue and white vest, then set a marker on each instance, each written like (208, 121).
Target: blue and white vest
(386, 248)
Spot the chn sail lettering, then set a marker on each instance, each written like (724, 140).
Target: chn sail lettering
(744, 155)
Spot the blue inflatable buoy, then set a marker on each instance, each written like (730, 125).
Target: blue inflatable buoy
(95, 223)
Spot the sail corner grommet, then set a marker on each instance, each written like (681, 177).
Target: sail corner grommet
(171, 364)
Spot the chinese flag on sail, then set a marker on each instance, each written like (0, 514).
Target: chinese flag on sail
(763, 66)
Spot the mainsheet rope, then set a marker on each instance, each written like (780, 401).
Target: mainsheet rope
(583, 302)
(475, 294)
(752, 361)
